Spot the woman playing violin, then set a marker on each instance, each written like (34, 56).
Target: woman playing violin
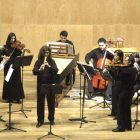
(118, 59)
(12, 90)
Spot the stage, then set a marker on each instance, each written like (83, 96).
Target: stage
(68, 108)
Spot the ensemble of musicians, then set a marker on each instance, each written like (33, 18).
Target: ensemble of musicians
(120, 90)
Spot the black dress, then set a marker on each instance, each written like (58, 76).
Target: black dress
(45, 77)
(12, 90)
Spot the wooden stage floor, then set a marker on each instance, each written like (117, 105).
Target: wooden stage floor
(68, 108)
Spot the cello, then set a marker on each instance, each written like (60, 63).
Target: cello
(98, 81)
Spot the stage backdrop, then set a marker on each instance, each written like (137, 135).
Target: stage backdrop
(39, 21)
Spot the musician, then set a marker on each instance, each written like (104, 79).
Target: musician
(116, 83)
(127, 76)
(96, 54)
(137, 66)
(12, 90)
(63, 38)
(45, 68)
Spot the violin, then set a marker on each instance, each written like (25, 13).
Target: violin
(17, 44)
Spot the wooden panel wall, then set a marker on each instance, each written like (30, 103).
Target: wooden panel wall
(39, 21)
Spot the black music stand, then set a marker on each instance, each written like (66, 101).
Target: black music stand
(136, 120)
(2, 119)
(86, 71)
(106, 76)
(9, 126)
(22, 61)
(81, 73)
(51, 89)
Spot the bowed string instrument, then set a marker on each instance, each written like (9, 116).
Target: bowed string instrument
(98, 81)
(16, 45)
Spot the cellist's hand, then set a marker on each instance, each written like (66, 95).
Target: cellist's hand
(105, 70)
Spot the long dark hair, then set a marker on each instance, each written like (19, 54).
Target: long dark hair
(8, 42)
(41, 54)
(120, 54)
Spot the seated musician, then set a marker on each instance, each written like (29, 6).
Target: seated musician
(116, 83)
(127, 75)
(96, 54)
(63, 38)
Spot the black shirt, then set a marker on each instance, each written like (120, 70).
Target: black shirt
(127, 76)
(96, 54)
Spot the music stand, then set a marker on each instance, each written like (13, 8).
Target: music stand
(87, 70)
(2, 119)
(136, 120)
(9, 126)
(51, 89)
(78, 64)
(106, 76)
(22, 61)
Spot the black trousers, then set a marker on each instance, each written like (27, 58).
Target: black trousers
(68, 77)
(41, 106)
(116, 89)
(124, 109)
(108, 92)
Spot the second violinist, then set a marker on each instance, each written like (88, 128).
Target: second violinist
(118, 60)
(12, 90)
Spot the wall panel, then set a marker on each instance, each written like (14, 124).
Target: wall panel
(127, 12)
(92, 12)
(47, 11)
(80, 35)
(12, 11)
(33, 36)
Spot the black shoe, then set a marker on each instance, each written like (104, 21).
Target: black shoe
(111, 115)
(128, 128)
(9, 101)
(108, 98)
(39, 124)
(52, 123)
(115, 118)
(92, 95)
(118, 130)
(18, 102)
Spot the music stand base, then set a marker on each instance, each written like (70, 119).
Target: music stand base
(10, 128)
(22, 110)
(2, 119)
(104, 102)
(136, 120)
(50, 133)
(83, 120)
(77, 119)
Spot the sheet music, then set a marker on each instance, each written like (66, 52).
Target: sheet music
(70, 47)
(9, 74)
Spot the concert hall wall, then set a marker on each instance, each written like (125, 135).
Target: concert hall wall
(39, 21)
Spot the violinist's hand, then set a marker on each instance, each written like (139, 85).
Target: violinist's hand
(25, 49)
(6, 57)
(136, 66)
